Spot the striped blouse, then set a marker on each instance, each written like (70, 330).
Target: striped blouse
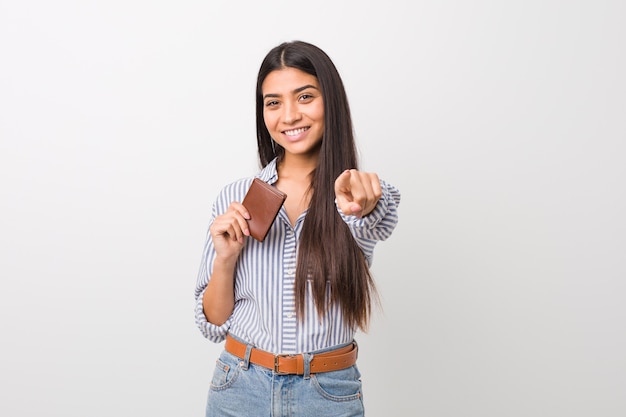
(265, 310)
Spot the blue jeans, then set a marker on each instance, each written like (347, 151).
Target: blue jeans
(241, 389)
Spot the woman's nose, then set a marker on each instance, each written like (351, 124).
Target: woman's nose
(291, 114)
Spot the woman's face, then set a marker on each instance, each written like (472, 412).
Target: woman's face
(293, 110)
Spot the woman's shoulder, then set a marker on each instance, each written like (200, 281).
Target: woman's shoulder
(234, 189)
(237, 189)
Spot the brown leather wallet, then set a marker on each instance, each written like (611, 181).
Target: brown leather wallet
(263, 201)
(334, 360)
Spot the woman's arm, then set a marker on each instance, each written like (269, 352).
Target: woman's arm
(369, 206)
(215, 298)
(228, 232)
(218, 300)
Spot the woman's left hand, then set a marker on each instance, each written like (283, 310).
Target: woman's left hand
(357, 192)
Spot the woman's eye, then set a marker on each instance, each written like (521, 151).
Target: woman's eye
(271, 103)
(305, 97)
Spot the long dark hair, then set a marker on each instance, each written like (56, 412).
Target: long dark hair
(328, 251)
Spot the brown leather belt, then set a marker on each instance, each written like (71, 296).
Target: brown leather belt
(333, 360)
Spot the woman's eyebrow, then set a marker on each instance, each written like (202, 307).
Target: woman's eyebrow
(304, 87)
(297, 90)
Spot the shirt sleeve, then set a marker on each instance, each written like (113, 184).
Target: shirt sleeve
(378, 224)
(209, 330)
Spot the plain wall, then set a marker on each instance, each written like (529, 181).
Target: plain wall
(502, 123)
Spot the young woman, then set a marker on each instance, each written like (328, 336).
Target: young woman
(288, 307)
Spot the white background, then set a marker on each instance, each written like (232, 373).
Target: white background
(503, 124)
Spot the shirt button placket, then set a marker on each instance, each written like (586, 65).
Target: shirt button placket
(289, 301)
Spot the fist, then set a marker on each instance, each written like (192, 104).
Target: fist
(229, 231)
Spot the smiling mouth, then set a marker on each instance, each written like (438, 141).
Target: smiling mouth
(295, 132)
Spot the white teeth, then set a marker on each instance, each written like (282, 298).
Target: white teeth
(295, 131)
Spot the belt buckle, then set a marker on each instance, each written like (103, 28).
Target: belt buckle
(276, 364)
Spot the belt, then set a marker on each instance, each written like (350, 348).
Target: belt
(333, 360)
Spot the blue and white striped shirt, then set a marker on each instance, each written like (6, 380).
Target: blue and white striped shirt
(265, 308)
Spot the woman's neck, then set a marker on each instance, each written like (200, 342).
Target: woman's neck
(294, 179)
(296, 167)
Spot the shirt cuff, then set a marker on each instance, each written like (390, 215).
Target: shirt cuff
(211, 331)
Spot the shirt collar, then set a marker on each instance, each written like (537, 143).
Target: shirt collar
(269, 174)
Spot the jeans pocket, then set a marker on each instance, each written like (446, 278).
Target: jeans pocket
(225, 374)
(342, 385)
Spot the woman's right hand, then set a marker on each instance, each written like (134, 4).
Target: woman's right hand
(229, 230)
